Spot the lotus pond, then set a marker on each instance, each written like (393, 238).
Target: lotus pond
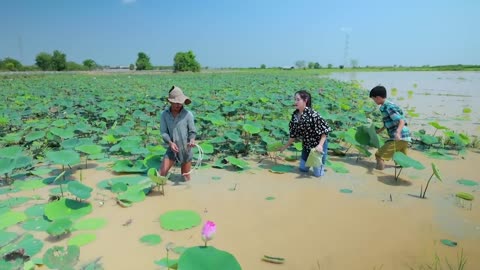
(52, 125)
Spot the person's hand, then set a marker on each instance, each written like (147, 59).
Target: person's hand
(191, 143)
(319, 149)
(174, 147)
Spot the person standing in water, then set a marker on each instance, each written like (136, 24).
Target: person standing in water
(178, 131)
(307, 124)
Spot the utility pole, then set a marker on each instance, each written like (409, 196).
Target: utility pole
(346, 30)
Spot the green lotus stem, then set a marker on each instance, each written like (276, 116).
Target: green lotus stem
(428, 182)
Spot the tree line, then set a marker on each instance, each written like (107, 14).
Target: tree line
(57, 61)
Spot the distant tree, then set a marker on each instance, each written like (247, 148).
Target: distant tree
(10, 64)
(300, 64)
(44, 61)
(59, 61)
(329, 65)
(317, 66)
(131, 67)
(341, 67)
(185, 61)
(263, 66)
(90, 64)
(311, 65)
(70, 66)
(354, 63)
(143, 62)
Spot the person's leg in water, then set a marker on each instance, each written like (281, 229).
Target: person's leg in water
(303, 160)
(186, 170)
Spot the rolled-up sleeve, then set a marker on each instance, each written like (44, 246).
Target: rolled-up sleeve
(164, 128)
(192, 131)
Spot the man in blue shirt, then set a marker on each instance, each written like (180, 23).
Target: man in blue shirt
(395, 123)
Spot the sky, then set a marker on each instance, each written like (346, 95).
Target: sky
(245, 33)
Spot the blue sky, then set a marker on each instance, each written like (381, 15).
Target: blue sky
(244, 33)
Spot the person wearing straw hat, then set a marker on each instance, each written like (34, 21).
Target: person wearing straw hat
(178, 131)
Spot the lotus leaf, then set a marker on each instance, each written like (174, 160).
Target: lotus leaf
(129, 166)
(467, 182)
(364, 151)
(64, 133)
(218, 140)
(29, 184)
(11, 218)
(251, 129)
(449, 243)
(59, 227)
(169, 263)
(91, 149)
(14, 201)
(60, 123)
(281, 168)
(11, 151)
(406, 161)
(153, 161)
(237, 162)
(128, 180)
(35, 135)
(233, 136)
(119, 187)
(30, 244)
(438, 154)
(464, 195)
(274, 146)
(90, 224)
(41, 171)
(64, 157)
(346, 190)
(82, 239)
(179, 220)
(151, 239)
(7, 237)
(133, 194)
(437, 125)
(80, 190)
(36, 224)
(60, 258)
(436, 171)
(203, 258)
(7, 165)
(338, 167)
(35, 210)
(67, 208)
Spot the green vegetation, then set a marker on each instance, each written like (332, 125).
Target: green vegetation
(185, 61)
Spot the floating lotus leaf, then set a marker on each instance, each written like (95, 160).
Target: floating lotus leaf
(169, 263)
(436, 171)
(206, 258)
(7, 237)
(449, 243)
(129, 166)
(151, 239)
(7, 190)
(179, 220)
(11, 218)
(133, 194)
(67, 208)
(14, 201)
(119, 187)
(437, 125)
(467, 182)
(59, 227)
(60, 258)
(464, 195)
(91, 149)
(29, 184)
(64, 157)
(282, 168)
(82, 239)
(27, 242)
(270, 198)
(346, 190)
(35, 135)
(338, 167)
(80, 190)
(90, 224)
(237, 162)
(128, 180)
(36, 224)
(35, 210)
(179, 250)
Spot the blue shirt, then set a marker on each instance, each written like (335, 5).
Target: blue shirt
(391, 116)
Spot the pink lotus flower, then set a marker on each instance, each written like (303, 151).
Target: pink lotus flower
(209, 229)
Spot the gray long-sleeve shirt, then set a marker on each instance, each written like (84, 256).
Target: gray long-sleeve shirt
(180, 130)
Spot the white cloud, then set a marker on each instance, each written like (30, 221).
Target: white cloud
(129, 1)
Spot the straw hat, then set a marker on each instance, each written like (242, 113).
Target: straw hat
(175, 95)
